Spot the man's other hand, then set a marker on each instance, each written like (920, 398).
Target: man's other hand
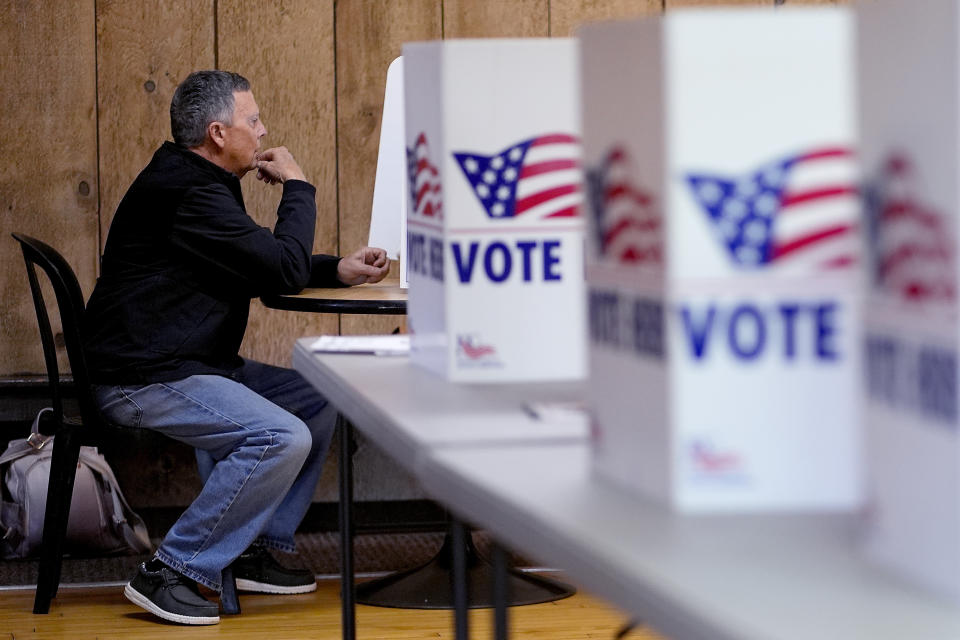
(277, 165)
(363, 265)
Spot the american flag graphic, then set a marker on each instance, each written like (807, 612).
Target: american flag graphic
(796, 212)
(628, 225)
(912, 248)
(426, 196)
(466, 346)
(707, 459)
(537, 178)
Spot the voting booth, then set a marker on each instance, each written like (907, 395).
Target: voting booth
(911, 160)
(494, 231)
(723, 257)
(388, 213)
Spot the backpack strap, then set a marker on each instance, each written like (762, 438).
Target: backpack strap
(10, 536)
(130, 524)
(11, 513)
(17, 449)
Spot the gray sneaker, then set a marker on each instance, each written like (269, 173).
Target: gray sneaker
(171, 596)
(257, 571)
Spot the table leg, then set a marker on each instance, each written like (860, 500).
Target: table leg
(459, 577)
(501, 591)
(347, 588)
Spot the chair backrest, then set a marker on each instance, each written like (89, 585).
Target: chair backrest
(70, 305)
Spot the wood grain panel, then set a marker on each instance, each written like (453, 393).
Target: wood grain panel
(369, 36)
(496, 18)
(48, 183)
(566, 15)
(673, 4)
(286, 50)
(144, 49)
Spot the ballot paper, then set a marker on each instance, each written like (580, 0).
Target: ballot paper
(558, 411)
(388, 345)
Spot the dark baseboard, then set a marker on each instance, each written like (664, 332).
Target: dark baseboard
(379, 516)
(370, 517)
(22, 396)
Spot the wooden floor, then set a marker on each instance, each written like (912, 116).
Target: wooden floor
(103, 613)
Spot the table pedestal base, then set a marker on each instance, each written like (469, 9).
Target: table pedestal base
(430, 587)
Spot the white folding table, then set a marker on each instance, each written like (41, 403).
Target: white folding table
(409, 413)
(756, 577)
(717, 577)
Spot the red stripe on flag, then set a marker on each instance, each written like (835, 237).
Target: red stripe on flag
(615, 191)
(828, 152)
(569, 212)
(637, 255)
(424, 165)
(424, 190)
(555, 138)
(809, 239)
(646, 226)
(616, 155)
(918, 290)
(898, 209)
(910, 251)
(548, 166)
(429, 210)
(543, 196)
(840, 262)
(789, 199)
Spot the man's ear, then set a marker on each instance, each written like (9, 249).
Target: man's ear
(216, 132)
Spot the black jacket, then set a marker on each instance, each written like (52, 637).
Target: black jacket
(182, 261)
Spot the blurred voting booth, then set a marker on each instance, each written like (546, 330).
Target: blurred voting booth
(909, 83)
(724, 257)
(494, 232)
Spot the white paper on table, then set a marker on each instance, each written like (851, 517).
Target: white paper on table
(557, 411)
(388, 345)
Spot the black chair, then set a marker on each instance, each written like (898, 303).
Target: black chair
(90, 428)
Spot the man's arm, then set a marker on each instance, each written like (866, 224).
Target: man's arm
(367, 264)
(214, 229)
(278, 165)
(212, 226)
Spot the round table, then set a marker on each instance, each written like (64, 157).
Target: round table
(386, 297)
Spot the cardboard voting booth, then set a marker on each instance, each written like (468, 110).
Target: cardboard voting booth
(494, 231)
(723, 257)
(388, 214)
(909, 83)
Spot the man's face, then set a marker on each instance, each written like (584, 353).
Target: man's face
(242, 138)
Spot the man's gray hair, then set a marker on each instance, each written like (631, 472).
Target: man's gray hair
(204, 97)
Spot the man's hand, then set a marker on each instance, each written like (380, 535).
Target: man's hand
(277, 165)
(363, 265)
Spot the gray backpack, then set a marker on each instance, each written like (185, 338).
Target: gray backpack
(100, 522)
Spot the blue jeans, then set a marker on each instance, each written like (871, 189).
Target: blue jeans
(261, 438)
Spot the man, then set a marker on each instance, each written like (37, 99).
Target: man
(162, 331)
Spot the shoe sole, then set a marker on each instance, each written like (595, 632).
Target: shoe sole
(146, 603)
(252, 586)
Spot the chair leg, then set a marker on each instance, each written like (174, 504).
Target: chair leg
(63, 465)
(229, 602)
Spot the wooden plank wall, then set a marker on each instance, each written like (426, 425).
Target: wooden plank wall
(92, 82)
(49, 177)
(286, 50)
